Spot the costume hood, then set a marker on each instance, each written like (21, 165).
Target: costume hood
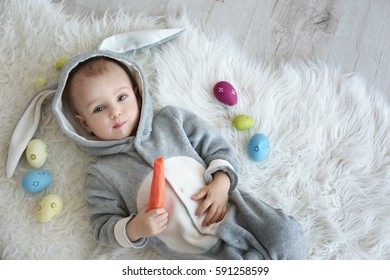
(117, 47)
(75, 131)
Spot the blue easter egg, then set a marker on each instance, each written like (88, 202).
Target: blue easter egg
(258, 147)
(36, 181)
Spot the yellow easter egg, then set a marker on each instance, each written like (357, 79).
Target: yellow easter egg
(36, 153)
(39, 83)
(49, 208)
(61, 62)
(243, 122)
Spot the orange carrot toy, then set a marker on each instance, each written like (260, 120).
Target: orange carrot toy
(157, 191)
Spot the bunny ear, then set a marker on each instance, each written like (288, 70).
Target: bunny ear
(136, 40)
(26, 128)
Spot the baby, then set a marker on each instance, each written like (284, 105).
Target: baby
(102, 103)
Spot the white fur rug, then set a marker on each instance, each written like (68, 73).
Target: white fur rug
(329, 133)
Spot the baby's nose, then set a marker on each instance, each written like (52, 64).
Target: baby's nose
(115, 113)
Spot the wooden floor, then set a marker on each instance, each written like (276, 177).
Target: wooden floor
(354, 34)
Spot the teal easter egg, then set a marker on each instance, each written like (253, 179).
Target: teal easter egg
(36, 181)
(258, 147)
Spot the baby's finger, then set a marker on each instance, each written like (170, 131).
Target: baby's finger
(222, 215)
(162, 218)
(161, 229)
(200, 194)
(157, 212)
(203, 207)
(212, 216)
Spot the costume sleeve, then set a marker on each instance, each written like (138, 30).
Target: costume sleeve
(121, 235)
(108, 213)
(210, 145)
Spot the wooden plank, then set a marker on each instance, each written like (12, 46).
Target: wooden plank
(362, 42)
(294, 28)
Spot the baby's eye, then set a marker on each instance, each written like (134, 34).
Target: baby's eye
(122, 97)
(98, 109)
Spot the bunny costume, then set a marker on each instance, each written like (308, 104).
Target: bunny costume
(118, 184)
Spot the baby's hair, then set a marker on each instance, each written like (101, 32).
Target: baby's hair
(94, 67)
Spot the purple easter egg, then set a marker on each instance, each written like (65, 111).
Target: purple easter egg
(225, 93)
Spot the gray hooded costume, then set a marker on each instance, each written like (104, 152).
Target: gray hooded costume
(118, 184)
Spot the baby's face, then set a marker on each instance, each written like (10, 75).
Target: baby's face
(106, 104)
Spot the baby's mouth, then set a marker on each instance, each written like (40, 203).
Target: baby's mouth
(119, 124)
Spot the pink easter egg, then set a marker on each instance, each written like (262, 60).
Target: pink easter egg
(225, 93)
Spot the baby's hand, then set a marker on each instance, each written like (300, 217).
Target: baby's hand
(147, 224)
(215, 197)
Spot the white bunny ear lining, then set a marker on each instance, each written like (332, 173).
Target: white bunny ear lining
(119, 43)
(136, 40)
(26, 128)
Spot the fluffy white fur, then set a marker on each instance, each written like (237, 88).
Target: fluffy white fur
(329, 159)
